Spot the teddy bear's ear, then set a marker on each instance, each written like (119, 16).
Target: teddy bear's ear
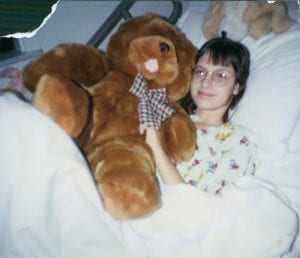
(213, 17)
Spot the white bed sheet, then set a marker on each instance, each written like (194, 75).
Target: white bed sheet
(49, 206)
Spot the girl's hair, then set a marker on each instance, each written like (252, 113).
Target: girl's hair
(224, 51)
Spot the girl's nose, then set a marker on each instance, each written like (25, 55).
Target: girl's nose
(207, 81)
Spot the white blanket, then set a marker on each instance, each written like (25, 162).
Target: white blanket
(250, 221)
(49, 206)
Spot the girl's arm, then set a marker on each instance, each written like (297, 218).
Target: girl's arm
(166, 168)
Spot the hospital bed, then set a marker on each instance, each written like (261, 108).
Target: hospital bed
(49, 205)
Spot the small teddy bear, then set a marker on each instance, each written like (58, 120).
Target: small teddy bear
(242, 18)
(100, 100)
(264, 17)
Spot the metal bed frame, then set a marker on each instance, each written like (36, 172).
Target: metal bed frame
(122, 11)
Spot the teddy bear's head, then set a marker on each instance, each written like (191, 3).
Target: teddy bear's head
(158, 50)
(242, 18)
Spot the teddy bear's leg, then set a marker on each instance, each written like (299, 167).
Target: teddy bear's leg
(124, 172)
(178, 136)
(64, 102)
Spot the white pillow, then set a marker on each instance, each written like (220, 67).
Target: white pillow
(271, 106)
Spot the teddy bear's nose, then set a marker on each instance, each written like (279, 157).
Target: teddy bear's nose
(164, 47)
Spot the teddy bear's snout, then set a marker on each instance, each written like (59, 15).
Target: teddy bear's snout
(151, 65)
(155, 58)
(164, 47)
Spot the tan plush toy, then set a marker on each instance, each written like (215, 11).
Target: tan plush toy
(242, 18)
(100, 101)
(263, 17)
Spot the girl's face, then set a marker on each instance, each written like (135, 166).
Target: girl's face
(213, 86)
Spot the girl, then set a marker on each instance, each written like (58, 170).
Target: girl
(224, 152)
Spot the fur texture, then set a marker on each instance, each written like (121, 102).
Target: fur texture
(87, 93)
(242, 18)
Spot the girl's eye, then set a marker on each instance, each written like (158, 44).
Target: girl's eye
(221, 75)
(200, 72)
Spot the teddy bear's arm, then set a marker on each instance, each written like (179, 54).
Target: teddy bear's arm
(82, 64)
(58, 79)
(178, 135)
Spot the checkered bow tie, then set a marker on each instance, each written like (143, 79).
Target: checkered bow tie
(153, 103)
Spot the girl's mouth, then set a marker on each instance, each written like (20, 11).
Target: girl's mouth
(204, 94)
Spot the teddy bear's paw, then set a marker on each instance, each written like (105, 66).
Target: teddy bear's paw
(128, 196)
(62, 101)
(124, 172)
(178, 137)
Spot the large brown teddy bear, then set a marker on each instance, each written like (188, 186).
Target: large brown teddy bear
(91, 96)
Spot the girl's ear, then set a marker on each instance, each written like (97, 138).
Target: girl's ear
(236, 89)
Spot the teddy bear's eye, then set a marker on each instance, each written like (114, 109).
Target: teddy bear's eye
(164, 47)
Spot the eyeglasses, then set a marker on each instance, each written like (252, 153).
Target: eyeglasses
(219, 78)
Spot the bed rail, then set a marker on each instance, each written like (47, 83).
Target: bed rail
(122, 11)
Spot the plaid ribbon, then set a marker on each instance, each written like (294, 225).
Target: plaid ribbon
(153, 103)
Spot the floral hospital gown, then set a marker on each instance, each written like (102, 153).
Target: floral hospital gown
(223, 154)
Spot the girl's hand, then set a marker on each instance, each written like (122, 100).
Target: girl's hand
(152, 137)
(166, 168)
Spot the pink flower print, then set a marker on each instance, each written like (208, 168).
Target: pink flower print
(192, 182)
(223, 184)
(15, 80)
(244, 140)
(218, 191)
(233, 165)
(10, 73)
(196, 162)
(204, 131)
